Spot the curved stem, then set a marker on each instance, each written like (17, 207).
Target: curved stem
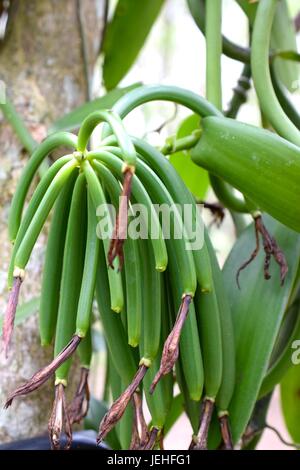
(114, 121)
(240, 92)
(262, 76)
(213, 26)
(147, 93)
(225, 194)
(284, 100)
(229, 48)
(174, 145)
(18, 126)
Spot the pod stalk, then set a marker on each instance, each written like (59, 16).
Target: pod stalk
(40, 377)
(171, 347)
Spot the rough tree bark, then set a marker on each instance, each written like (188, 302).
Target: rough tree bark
(42, 64)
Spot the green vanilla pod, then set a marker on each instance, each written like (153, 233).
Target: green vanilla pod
(263, 166)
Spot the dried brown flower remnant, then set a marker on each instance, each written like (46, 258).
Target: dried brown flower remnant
(40, 377)
(171, 346)
(120, 229)
(10, 313)
(270, 248)
(119, 406)
(59, 420)
(141, 425)
(80, 404)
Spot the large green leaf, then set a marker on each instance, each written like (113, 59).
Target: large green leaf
(73, 120)
(177, 408)
(24, 311)
(290, 401)
(195, 178)
(257, 309)
(97, 410)
(125, 36)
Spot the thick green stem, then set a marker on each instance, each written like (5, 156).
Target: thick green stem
(262, 76)
(213, 30)
(213, 26)
(18, 126)
(240, 92)
(284, 100)
(174, 145)
(230, 49)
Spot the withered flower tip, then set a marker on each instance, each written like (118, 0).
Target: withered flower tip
(10, 313)
(120, 229)
(140, 434)
(119, 406)
(171, 347)
(80, 404)
(59, 420)
(40, 377)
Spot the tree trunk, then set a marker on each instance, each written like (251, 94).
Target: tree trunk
(45, 60)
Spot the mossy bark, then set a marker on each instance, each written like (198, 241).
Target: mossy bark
(50, 48)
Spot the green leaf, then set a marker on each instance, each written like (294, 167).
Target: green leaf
(97, 410)
(195, 178)
(257, 309)
(175, 412)
(73, 120)
(249, 9)
(24, 311)
(98, 341)
(290, 401)
(125, 36)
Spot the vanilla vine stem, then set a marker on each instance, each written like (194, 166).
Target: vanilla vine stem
(17, 123)
(262, 76)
